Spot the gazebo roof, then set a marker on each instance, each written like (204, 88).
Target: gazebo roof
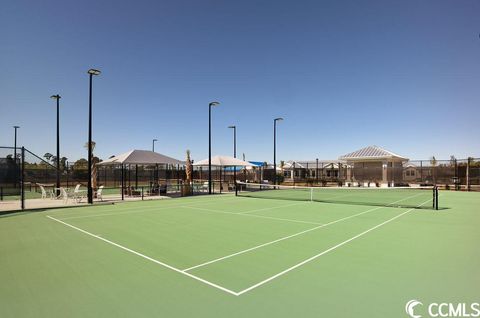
(140, 157)
(372, 153)
(223, 161)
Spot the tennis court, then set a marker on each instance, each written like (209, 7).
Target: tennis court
(239, 256)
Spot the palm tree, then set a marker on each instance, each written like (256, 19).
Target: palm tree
(189, 173)
(48, 156)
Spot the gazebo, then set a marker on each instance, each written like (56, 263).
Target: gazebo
(222, 162)
(143, 158)
(373, 164)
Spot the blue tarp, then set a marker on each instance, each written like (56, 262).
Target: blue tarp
(254, 163)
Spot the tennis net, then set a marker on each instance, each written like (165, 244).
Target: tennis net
(403, 197)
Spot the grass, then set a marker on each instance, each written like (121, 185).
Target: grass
(50, 268)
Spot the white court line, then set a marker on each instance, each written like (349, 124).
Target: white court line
(324, 252)
(288, 237)
(142, 210)
(218, 286)
(147, 257)
(253, 215)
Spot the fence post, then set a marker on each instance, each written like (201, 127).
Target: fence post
(122, 185)
(22, 176)
(468, 174)
(421, 171)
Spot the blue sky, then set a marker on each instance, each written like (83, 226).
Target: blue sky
(404, 75)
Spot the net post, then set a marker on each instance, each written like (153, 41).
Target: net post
(436, 198)
(433, 198)
(236, 189)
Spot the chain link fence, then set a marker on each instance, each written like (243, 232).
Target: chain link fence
(458, 174)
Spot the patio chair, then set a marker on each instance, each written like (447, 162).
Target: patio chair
(162, 189)
(64, 195)
(78, 194)
(45, 193)
(99, 193)
(205, 186)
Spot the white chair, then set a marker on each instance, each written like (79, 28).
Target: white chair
(64, 195)
(45, 193)
(78, 194)
(99, 193)
(205, 186)
(77, 188)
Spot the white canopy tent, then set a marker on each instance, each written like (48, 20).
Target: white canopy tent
(223, 161)
(140, 157)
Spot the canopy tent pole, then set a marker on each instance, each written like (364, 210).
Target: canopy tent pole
(136, 176)
(178, 174)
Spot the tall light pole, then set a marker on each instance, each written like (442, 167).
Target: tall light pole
(275, 148)
(57, 98)
(91, 72)
(153, 144)
(210, 145)
(15, 144)
(234, 152)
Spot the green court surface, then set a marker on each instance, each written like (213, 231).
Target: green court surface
(227, 256)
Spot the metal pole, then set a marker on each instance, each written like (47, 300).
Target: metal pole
(57, 97)
(468, 174)
(123, 186)
(316, 171)
(235, 153)
(15, 148)
(22, 186)
(210, 148)
(136, 176)
(91, 72)
(89, 186)
(275, 148)
(153, 144)
(68, 172)
(210, 145)
(15, 144)
(275, 151)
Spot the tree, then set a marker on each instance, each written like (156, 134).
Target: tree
(80, 164)
(433, 162)
(189, 173)
(453, 160)
(63, 163)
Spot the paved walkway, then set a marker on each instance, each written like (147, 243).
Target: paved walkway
(14, 205)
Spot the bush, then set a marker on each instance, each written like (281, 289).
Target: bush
(280, 178)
